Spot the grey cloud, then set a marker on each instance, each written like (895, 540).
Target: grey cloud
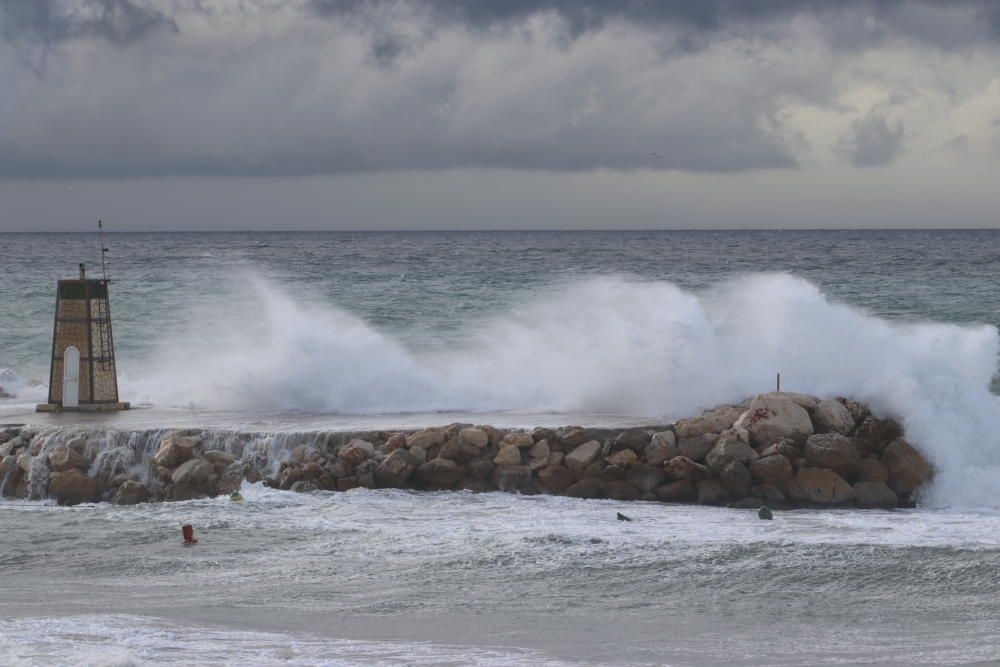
(849, 22)
(872, 142)
(435, 88)
(413, 102)
(47, 22)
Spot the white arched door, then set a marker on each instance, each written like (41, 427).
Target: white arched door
(71, 378)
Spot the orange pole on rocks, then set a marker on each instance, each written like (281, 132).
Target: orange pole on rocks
(188, 532)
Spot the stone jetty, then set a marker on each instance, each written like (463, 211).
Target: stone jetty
(777, 449)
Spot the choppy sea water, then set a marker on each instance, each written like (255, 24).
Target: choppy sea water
(390, 577)
(302, 331)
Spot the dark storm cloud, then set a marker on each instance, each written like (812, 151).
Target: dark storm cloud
(916, 19)
(309, 87)
(873, 142)
(51, 21)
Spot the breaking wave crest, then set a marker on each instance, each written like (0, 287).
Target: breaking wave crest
(604, 345)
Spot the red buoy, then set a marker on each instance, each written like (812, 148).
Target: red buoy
(188, 532)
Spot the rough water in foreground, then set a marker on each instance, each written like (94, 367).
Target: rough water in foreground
(391, 577)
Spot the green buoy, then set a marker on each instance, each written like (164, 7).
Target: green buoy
(765, 513)
(236, 496)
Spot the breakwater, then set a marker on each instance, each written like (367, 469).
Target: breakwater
(779, 449)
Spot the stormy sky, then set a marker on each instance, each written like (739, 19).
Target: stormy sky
(526, 114)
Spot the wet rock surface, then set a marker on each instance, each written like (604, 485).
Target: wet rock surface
(785, 450)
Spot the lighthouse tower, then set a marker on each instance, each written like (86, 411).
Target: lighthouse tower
(83, 374)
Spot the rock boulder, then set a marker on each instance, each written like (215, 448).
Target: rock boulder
(712, 421)
(174, 450)
(72, 487)
(196, 474)
(907, 468)
(820, 485)
(833, 451)
(830, 416)
(773, 416)
(396, 469)
(583, 455)
(775, 470)
(874, 494)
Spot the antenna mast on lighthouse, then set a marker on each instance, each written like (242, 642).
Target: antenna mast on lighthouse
(104, 251)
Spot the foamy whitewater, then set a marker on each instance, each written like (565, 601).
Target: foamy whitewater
(285, 331)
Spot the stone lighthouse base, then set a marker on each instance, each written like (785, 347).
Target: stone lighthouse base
(83, 407)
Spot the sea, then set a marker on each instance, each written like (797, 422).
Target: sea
(283, 334)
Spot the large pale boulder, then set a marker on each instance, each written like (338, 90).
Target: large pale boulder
(555, 478)
(174, 450)
(439, 473)
(459, 450)
(196, 474)
(623, 458)
(830, 416)
(872, 470)
(681, 467)
(907, 468)
(874, 434)
(63, 457)
(543, 433)
(583, 455)
(476, 437)
(396, 468)
(219, 458)
(645, 477)
(874, 494)
(231, 478)
(356, 451)
(820, 485)
(509, 455)
(783, 447)
(573, 436)
(698, 447)
(130, 493)
(7, 465)
(712, 421)
(805, 401)
(726, 450)
(775, 470)
(394, 442)
(72, 487)
(519, 440)
(833, 451)
(538, 455)
(635, 439)
(735, 478)
(773, 416)
(427, 438)
(661, 449)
